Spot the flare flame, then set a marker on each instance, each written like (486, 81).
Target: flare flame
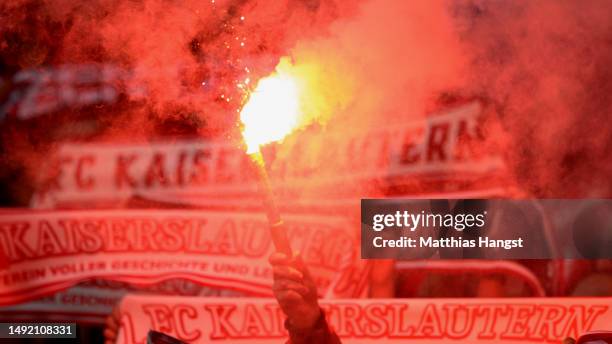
(272, 111)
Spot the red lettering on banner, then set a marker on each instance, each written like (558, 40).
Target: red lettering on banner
(201, 160)
(160, 317)
(465, 148)
(77, 267)
(546, 325)
(73, 235)
(416, 149)
(221, 325)
(146, 236)
(181, 314)
(349, 320)
(538, 320)
(410, 150)
(254, 325)
(375, 314)
(429, 326)
(83, 182)
(226, 239)
(172, 237)
(48, 242)
(578, 323)
(13, 234)
(196, 243)
(122, 174)
(118, 235)
(436, 145)
(156, 171)
(90, 239)
(255, 244)
(75, 245)
(518, 324)
(492, 313)
(23, 276)
(180, 178)
(51, 179)
(400, 328)
(459, 320)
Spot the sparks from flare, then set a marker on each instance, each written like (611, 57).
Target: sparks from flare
(294, 96)
(272, 111)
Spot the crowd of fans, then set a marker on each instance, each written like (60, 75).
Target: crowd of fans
(25, 141)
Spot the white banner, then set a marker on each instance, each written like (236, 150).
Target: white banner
(92, 301)
(80, 303)
(444, 154)
(247, 320)
(51, 251)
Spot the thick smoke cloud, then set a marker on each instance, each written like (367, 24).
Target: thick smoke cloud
(546, 65)
(190, 55)
(542, 67)
(393, 58)
(184, 59)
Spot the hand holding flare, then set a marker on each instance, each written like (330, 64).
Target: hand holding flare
(272, 112)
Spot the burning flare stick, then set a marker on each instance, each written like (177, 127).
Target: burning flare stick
(277, 227)
(271, 113)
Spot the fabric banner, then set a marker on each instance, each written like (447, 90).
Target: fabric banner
(253, 320)
(49, 251)
(46, 90)
(92, 301)
(444, 153)
(80, 303)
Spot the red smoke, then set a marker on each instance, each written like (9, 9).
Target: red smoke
(542, 67)
(546, 66)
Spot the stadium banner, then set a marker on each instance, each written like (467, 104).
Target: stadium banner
(49, 251)
(46, 90)
(439, 153)
(257, 320)
(92, 301)
(79, 303)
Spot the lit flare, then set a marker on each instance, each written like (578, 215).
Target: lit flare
(272, 111)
